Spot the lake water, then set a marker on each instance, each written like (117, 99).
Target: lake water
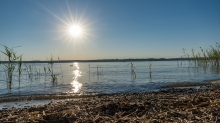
(102, 77)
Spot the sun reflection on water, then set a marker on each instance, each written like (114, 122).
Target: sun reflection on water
(76, 65)
(76, 86)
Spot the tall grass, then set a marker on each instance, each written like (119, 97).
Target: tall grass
(37, 72)
(12, 62)
(45, 71)
(19, 69)
(50, 69)
(205, 57)
(9, 67)
(133, 74)
(60, 67)
(99, 70)
(150, 65)
(29, 70)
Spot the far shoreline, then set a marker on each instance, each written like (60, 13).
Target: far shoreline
(105, 60)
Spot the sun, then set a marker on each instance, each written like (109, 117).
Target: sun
(74, 26)
(75, 30)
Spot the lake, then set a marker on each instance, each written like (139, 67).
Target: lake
(102, 77)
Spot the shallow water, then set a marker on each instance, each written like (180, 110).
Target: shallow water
(102, 77)
(22, 104)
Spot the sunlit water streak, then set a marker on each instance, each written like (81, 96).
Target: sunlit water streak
(75, 84)
(103, 77)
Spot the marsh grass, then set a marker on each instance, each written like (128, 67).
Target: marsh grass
(150, 65)
(37, 73)
(19, 69)
(60, 67)
(99, 70)
(45, 72)
(50, 69)
(205, 57)
(29, 70)
(10, 66)
(32, 72)
(133, 74)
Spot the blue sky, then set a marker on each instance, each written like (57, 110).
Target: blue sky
(112, 29)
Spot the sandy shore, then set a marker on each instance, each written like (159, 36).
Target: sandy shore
(170, 105)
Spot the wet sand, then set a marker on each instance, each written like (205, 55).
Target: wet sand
(169, 105)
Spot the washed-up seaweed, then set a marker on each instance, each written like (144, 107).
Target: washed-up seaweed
(170, 105)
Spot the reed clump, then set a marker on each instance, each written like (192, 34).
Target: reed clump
(99, 70)
(19, 69)
(50, 69)
(29, 70)
(60, 67)
(205, 57)
(11, 63)
(133, 74)
(150, 65)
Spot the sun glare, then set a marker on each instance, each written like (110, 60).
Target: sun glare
(74, 27)
(75, 30)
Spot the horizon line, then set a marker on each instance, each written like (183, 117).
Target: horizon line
(104, 60)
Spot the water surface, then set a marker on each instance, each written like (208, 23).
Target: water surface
(102, 77)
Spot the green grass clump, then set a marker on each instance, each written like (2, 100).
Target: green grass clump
(11, 63)
(206, 57)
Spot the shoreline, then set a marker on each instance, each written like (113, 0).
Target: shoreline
(58, 96)
(171, 105)
(44, 97)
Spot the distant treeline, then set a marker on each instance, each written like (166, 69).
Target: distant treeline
(105, 60)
